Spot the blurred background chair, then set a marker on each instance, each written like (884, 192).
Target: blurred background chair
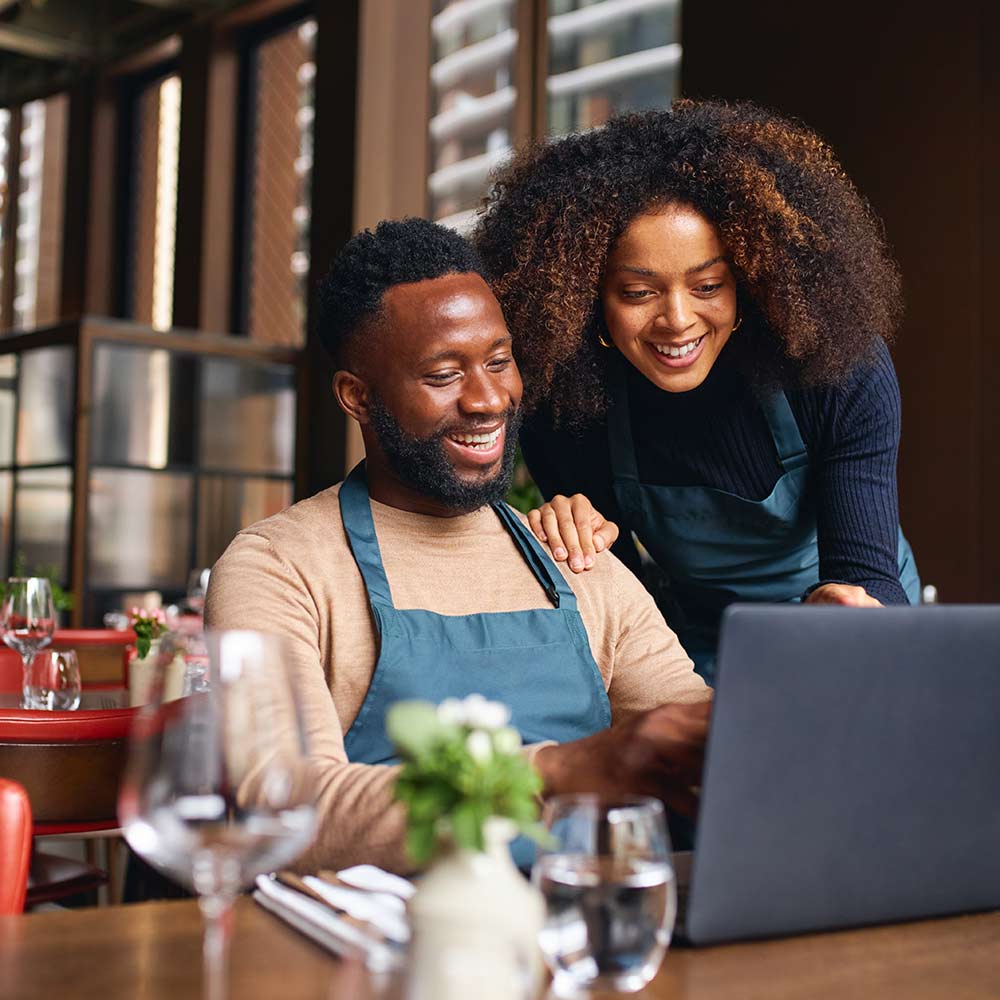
(103, 654)
(70, 764)
(15, 846)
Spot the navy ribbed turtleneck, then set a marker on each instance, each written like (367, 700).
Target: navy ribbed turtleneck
(716, 436)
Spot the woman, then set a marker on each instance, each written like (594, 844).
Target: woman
(700, 302)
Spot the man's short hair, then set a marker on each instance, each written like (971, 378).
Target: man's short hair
(396, 253)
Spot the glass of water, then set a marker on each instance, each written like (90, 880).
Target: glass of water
(52, 681)
(219, 787)
(609, 889)
(27, 621)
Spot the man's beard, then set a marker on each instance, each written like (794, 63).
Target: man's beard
(423, 465)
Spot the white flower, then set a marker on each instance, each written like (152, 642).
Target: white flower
(506, 740)
(451, 712)
(485, 714)
(479, 745)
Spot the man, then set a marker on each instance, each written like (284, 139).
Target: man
(405, 582)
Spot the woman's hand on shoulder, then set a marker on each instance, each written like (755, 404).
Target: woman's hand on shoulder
(573, 530)
(843, 593)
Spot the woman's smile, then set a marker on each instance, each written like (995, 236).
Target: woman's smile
(669, 297)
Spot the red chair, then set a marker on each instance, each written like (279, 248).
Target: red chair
(11, 672)
(70, 764)
(15, 846)
(103, 654)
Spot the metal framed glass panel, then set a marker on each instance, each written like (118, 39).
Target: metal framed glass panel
(608, 56)
(45, 406)
(143, 402)
(139, 531)
(247, 416)
(42, 504)
(474, 43)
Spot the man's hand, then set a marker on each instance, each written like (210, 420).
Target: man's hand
(573, 530)
(843, 593)
(660, 753)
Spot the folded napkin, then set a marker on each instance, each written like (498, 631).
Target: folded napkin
(359, 912)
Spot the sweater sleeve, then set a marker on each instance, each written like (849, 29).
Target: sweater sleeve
(858, 513)
(252, 587)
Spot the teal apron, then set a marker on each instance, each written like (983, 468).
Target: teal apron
(716, 548)
(537, 662)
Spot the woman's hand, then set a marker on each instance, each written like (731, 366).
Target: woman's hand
(573, 530)
(843, 593)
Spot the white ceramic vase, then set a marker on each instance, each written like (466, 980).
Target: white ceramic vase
(142, 675)
(475, 926)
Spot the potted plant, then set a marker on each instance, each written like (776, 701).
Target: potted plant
(468, 791)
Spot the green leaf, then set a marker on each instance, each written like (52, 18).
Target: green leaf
(142, 644)
(420, 842)
(467, 825)
(413, 726)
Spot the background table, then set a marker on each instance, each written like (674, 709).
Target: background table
(153, 951)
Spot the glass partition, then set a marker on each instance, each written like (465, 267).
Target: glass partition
(247, 416)
(45, 406)
(140, 529)
(42, 504)
(142, 403)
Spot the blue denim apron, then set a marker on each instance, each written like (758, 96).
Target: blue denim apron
(716, 548)
(537, 662)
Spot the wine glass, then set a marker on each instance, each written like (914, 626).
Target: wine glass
(54, 680)
(609, 889)
(27, 620)
(218, 787)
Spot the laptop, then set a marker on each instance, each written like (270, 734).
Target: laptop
(852, 774)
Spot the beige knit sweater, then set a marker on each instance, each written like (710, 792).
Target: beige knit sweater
(294, 574)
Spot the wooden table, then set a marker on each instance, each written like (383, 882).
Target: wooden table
(152, 951)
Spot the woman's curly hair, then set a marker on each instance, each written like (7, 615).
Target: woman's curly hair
(816, 282)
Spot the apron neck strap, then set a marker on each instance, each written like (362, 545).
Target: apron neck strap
(785, 431)
(553, 582)
(356, 513)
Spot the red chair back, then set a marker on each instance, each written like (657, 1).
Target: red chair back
(15, 846)
(70, 764)
(103, 653)
(11, 672)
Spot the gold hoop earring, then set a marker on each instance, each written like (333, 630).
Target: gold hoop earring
(603, 342)
(739, 321)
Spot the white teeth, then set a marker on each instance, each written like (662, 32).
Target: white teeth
(482, 442)
(678, 352)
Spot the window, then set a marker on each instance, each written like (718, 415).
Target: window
(607, 56)
(32, 192)
(280, 88)
(473, 97)
(156, 128)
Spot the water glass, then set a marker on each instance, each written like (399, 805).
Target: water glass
(219, 786)
(610, 893)
(27, 619)
(52, 681)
